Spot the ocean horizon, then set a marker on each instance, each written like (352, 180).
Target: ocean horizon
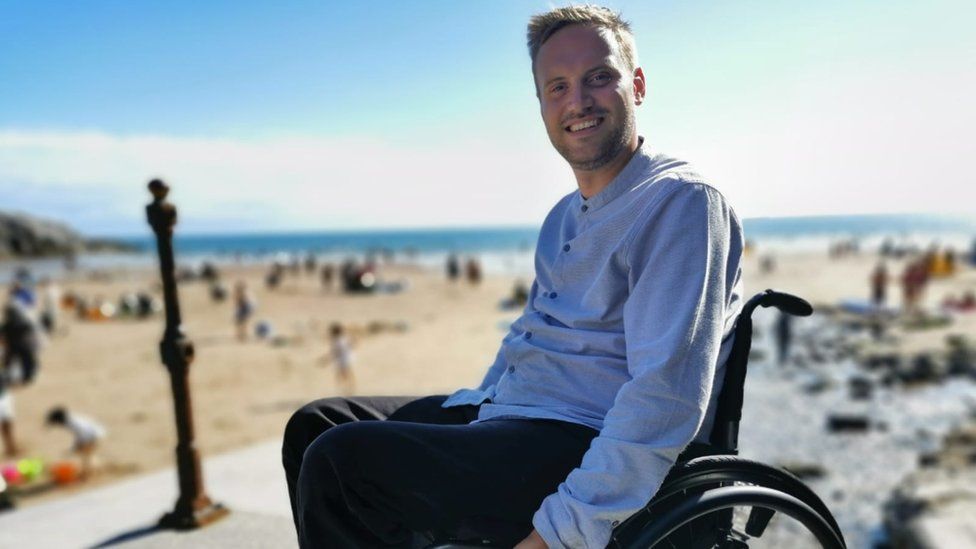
(813, 230)
(500, 249)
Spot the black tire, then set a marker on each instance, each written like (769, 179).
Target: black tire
(698, 475)
(724, 498)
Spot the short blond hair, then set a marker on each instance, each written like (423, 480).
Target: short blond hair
(543, 25)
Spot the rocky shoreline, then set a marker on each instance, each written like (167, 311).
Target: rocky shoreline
(24, 236)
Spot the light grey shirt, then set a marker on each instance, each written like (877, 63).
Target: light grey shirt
(627, 328)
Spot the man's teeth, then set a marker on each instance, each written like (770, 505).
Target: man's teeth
(584, 125)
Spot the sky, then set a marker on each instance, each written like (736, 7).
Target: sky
(288, 115)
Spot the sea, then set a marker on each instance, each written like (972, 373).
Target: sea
(506, 249)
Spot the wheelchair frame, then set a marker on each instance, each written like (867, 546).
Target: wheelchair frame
(703, 481)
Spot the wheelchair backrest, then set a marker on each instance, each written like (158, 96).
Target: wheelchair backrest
(725, 430)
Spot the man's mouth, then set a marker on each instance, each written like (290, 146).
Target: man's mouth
(584, 125)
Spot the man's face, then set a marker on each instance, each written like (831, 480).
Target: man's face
(587, 96)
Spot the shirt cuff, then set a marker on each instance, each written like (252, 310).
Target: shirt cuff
(562, 528)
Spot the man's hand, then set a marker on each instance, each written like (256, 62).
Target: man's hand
(534, 541)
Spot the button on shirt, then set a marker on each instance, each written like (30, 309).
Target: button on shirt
(627, 333)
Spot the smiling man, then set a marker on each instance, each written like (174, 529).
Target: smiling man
(602, 381)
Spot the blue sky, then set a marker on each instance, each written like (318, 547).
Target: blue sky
(321, 115)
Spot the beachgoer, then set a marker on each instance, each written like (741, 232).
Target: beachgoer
(520, 293)
(273, 279)
(627, 327)
(243, 308)
(784, 336)
(472, 271)
(310, 263)
(50, 302)
(341, 355)
(87, 435)
(21, 339)
(453, 267)
(7, 418)
(328, 271)
(879, 284)
(914, 279)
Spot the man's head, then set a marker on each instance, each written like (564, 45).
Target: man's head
(584, 62)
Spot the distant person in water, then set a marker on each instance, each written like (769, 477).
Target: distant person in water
(243, 309)
(87, 435)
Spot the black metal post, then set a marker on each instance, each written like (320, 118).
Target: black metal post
(193, 507)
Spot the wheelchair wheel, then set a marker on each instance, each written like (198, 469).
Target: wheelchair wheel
(756, 492)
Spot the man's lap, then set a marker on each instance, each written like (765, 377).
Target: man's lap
(435, 471)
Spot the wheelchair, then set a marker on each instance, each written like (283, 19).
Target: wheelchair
(713, 499)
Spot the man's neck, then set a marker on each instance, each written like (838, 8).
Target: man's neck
(591, 182)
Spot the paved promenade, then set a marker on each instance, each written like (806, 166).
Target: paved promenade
(250, 482)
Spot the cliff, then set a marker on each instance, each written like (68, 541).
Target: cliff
(23, 236)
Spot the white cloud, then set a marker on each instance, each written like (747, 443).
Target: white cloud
(833, 140)
(289, 183)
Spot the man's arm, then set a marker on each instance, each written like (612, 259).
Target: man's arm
(683, 273)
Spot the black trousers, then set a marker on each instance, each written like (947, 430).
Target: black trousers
(355, 481)
(26, 355)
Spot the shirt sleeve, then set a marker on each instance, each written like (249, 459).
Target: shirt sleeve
(684, 263)
(487, 386)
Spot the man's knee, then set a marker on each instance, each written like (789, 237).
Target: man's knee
(334, 453)
(305, 425)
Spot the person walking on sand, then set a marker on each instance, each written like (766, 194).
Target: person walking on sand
(613, 368)
(879, 285)
(243, 309)
(340, 354)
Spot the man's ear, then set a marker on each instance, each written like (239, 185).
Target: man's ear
(640, 86)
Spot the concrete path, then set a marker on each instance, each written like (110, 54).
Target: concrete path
(250, 482)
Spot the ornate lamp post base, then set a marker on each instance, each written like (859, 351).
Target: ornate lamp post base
(201, 513)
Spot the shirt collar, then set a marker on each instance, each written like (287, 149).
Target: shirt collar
(627, 179)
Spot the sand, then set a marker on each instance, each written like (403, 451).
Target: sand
(244, 392)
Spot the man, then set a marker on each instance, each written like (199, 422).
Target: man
(20, 335)
(607, 375)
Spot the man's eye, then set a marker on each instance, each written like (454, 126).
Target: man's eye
(600, 78)
(558, 88)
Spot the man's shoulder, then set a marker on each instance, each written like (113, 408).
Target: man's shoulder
(668, 178)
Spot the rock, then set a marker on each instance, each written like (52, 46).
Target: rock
(847, 423)
(933, 508)
(860, 388)
(926, 367)
(22, 235)
(961, 356)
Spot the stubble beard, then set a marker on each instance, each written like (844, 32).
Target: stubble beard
(614, 144)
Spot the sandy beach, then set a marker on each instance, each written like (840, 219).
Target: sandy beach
(432, 337)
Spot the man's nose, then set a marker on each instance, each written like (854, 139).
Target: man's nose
(581, 101)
